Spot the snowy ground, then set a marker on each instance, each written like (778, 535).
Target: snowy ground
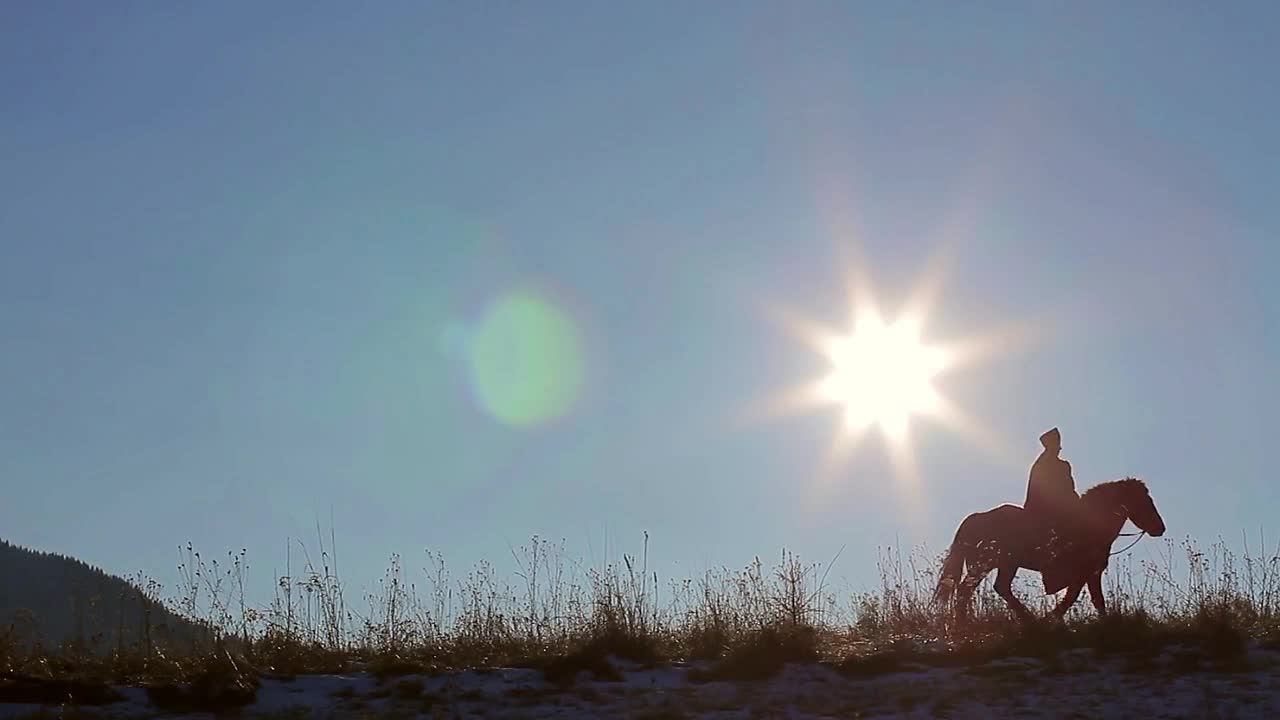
(1077, 684)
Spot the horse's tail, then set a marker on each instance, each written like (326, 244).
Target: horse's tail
(953, 565)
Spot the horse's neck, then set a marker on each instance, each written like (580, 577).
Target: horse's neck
(1110, 512)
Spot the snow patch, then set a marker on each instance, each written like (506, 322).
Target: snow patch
(1071, 684)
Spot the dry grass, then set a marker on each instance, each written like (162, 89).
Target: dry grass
(555, 617)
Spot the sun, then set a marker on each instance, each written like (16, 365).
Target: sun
(882, 374)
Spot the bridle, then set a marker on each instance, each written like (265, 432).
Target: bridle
(1128, 547)
(1135, 535)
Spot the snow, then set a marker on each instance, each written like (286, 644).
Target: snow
(1079, 684)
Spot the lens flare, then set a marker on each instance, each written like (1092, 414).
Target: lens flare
(525, 360)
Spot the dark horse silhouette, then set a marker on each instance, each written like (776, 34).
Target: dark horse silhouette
(1007, 538)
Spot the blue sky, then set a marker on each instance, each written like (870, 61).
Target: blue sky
(246, 252)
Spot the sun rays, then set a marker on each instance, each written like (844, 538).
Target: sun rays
(883, 373)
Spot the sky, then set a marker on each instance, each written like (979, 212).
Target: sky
(452, 275)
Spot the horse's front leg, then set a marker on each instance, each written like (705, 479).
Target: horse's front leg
(1004, 587)
(1095, 594)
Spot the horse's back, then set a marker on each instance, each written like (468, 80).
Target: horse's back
(1005, 509)
(998, 520)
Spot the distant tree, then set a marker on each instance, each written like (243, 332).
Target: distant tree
(61, 601)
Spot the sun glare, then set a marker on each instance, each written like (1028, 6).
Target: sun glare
(882, 374)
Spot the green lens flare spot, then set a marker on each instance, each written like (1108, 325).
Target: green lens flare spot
(525, 360)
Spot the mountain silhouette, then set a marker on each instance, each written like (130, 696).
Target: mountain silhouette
(57, 600)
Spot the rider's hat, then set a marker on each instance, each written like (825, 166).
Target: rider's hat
(1052, 438)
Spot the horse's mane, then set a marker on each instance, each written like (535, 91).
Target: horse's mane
(1112, 486)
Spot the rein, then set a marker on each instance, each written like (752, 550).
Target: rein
(1130, 545)
(1135, 535)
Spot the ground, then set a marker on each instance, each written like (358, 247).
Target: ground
(1178, 682)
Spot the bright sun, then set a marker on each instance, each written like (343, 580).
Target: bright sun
(882, 374)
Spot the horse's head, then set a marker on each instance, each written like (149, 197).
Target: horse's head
(1142, 510)
(1128, 497)
(1134, 500)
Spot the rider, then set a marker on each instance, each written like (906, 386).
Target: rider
(1051, 491)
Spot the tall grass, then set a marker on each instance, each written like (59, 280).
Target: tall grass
(552, 607)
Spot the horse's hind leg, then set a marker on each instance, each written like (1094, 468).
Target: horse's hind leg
(1095, 594)
(965, 589)
(1073, 594)
(1004, 587)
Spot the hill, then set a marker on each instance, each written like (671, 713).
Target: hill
(59, 600)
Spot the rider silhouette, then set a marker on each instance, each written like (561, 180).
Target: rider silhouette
(1051, 491)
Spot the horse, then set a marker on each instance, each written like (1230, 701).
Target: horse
(1007, 538)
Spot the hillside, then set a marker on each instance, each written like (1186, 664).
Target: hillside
(59, 600)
